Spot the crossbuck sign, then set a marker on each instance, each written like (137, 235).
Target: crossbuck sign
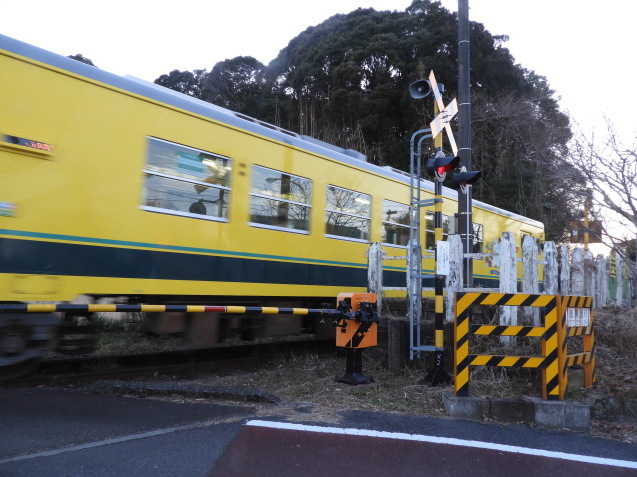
(445, 116)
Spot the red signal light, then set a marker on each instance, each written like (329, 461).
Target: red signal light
(439, 165)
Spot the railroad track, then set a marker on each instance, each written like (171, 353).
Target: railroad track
(82, 370)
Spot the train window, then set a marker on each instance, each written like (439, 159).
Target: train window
(280, 200)
(430, 227)
(347, 214)
(395, 223)
(186, 181)
(478, 237)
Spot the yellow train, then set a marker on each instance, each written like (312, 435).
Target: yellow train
(114, 187)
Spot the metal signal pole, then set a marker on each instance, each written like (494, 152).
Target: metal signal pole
(465, 213)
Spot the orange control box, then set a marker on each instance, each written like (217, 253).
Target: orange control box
(362, 331)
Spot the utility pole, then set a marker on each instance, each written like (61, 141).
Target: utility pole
(465, 212)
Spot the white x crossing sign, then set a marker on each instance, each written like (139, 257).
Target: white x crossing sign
(445, 116)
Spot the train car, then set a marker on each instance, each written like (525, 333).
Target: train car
(115, 187)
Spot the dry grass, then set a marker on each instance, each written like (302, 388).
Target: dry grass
(616, 354)
(311, 378)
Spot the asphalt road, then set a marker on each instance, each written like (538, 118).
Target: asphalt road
(65, 432)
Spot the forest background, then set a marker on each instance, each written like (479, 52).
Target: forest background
(345, 81)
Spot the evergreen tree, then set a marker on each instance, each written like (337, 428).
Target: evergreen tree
(81, 58)
(187, 82)
(346, 81)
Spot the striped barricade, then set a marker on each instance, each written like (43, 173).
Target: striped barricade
(142, 308)
(576, 319)
(549, 362)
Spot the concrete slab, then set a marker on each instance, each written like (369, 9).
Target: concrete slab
(511, 410)
(561, 414)
(465, 407)
(558, 414)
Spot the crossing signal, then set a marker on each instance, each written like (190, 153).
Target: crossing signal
(439, 165)
(460, 180)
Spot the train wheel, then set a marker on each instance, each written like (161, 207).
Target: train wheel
(202, 330)
(165, 323)
(17, 369)
(22, 338)
(76, 336)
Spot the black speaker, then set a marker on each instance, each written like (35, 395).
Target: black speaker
(419, 89)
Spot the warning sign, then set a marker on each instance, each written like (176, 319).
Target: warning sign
(578, 317)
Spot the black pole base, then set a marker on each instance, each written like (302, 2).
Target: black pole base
(438, 375)
(354, 369)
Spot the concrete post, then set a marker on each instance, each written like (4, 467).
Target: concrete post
(565, 271)
(454, 280)
(577, 272)
(619, 298)
(589, 273)
(551, 271)
(508, 281)
(530, 277)
(375, 273)
(601, 282)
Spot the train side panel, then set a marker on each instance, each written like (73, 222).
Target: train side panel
(79, 217)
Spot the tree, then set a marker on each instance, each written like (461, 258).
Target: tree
(610, 170)
(522, 154)
(186, 82)
(236, 84)
(82, 59)
(346, 81)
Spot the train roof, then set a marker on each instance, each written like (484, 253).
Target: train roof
(182, 101)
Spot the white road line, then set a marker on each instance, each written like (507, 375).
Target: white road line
(106, 442)
(445, 440)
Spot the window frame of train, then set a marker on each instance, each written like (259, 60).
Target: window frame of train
(341, 208)
(396, 227)
(450, 227)
(180, 168)
(478, 237)
(290, 206)
(430, 230)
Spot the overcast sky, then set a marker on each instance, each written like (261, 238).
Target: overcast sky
(585, 48)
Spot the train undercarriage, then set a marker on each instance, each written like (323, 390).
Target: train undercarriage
(25, 338)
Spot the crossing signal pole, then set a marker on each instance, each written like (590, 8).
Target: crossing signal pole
(465, 212)
(438, 166)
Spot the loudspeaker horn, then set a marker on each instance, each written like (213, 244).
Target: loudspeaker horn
(419, 89)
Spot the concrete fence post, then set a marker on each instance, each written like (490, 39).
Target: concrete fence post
(455, 278)
(589, 273)
(508, 281)
(551, 271)
(619, 298)
(577, 272)
(565, 271)
(375, 273)
(530, 282)
(601, 282)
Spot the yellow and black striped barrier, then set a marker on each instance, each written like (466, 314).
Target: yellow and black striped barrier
(563, 316)
(548, 362)
(104, 308)
(576, 319)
